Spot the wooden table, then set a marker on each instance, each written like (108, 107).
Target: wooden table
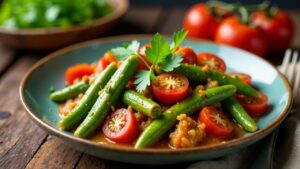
(24, 145)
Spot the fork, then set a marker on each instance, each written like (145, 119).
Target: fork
(290, 67)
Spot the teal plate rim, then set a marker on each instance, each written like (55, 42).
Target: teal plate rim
(228, 144)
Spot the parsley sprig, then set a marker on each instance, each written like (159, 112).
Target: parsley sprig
(160, 54)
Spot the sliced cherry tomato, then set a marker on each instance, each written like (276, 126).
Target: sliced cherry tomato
(216, 123)
(77, 72)
(121, 126)
(105, 61)
(278, 27)
(233, 32)
(142, 65)
(170, 88)
(247, 79)
(254, 106)
(212, 60)
(200, 22)
(188, 55)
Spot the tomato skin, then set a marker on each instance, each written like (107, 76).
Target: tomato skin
(170, 96)
(251, 38)
(205, 58)
(200, 22)
(188, 55)
(279, 29)
(105, 61)
(77, 72)
(141, 64)
(207, 115)
(254, 106)
(245, 78)
(128, 132)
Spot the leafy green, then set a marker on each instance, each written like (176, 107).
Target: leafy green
(142, 80)
(178, 37)
(50, 13)
(121, 53)
(171, 63)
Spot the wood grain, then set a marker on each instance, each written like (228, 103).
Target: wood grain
(6, 58)
(19, 137)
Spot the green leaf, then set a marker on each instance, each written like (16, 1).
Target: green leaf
(142, 80)
(159, 49)
(122, 53)
(171, 63)
(178, 37)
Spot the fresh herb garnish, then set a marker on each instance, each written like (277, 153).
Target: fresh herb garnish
(121, 53)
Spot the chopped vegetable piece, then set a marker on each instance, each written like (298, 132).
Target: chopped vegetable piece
(254, 106)
(212, 60)
(188, 55)
(78, 71)
(247, 79)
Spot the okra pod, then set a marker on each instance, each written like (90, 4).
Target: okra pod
(196, 73)
(81, 110)
(142, 104)
(108, 97)
(159, 127)
(239, 114)
(69, 91)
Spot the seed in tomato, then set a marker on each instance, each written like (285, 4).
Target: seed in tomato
(254, 106)
(212, 61)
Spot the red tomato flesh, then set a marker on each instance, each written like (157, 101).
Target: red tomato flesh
(212, 60)
(170, 88)
(105, 61)
(121, 126)
(216, 123)
(142, 65)
(254, 106)
(188, 55)
(77, 72)
(245, 78)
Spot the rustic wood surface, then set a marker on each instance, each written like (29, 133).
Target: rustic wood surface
(24, 145)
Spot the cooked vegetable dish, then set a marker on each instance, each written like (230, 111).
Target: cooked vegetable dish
(158, 95)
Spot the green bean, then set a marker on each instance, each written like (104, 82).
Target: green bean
(239, 114)
(196, 73)
(80, 111)
(69, 91)
(142, 104)
(159, 127)
(109, 96)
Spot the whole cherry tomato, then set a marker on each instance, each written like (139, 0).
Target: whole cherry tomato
(200, 22)
(279, 29)
(248, 37)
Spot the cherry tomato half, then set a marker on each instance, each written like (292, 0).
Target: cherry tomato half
(121, 126)
(170, 88)
(188, 55)
(248, 37)
(77, 72)
(245, 78)
(278, 28)
(142, 53)
(216, 123)
(105, 61)
(200, 22)
(212, 60)
(254, 106)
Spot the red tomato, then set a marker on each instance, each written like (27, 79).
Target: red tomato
(216, 123)
(77, 72)
(170, 88)
(212, 60)
(105, 61)
(200, 22)
(247, 79)
(188, 55)
(254, 106)
(121, 126)
(142, 65)
(251, 38)
(278, 28)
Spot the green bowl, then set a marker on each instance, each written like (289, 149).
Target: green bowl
(34, 93)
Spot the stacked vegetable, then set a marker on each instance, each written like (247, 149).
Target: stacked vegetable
(240, 25)
(138, 95)
(50, 13)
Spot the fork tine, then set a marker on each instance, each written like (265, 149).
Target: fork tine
(286, 60)
(292, 68)
(297, 79)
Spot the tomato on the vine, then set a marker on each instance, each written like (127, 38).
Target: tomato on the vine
(77, 72)
(216, 123)
(170, 88)
(248, 37)
(212, 60)
(255, 106)
(278, 27)
(121, 126)
(188, 55)
(245, 78)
